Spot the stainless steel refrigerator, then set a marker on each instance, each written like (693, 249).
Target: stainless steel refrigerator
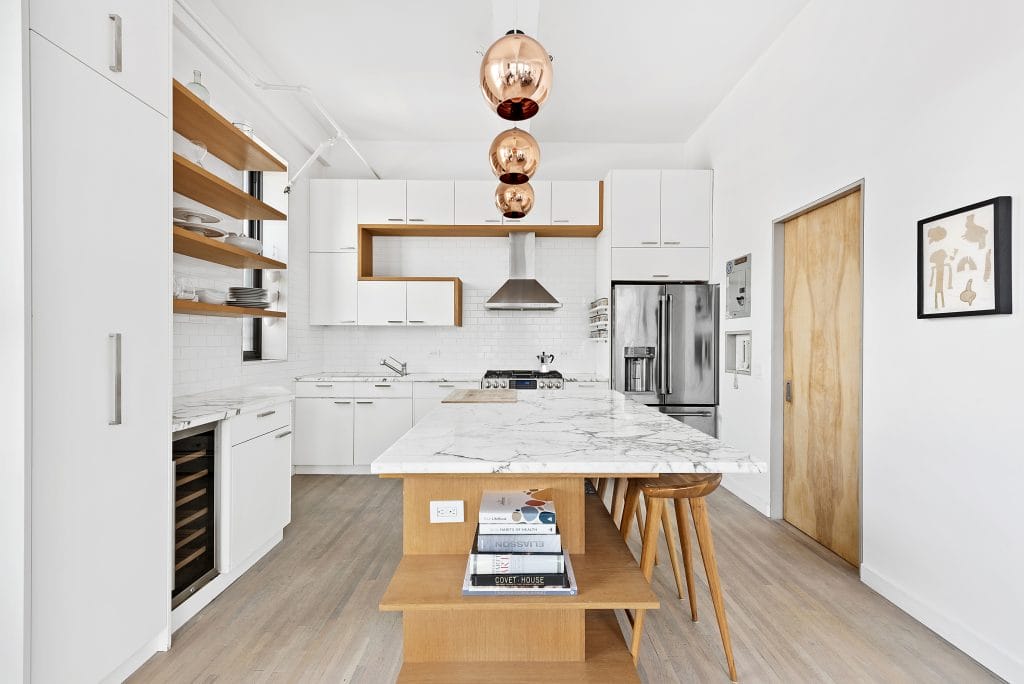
(665, 349)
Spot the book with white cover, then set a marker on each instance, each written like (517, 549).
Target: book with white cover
(517, 543)
(515, 528)
(516, 563)
(529, 506)
(569, 590)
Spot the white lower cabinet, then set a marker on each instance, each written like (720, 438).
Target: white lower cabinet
(661, 263)
(427, 396)
(381, 302)
(332, 288)
(378, 424)
(430, 302)
(260, 498)
(323, 431)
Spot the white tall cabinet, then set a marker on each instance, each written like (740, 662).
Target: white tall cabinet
(101, 365)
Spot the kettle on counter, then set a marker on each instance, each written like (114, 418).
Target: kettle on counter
(545, 359)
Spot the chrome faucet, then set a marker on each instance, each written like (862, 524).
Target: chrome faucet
(395, 365)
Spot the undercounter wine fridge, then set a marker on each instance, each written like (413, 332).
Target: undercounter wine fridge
(665, 349)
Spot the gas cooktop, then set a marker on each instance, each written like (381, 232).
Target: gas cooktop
(521, 379)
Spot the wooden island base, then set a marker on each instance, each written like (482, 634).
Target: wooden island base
(449, 637)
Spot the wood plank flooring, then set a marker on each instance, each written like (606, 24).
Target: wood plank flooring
(308, 611)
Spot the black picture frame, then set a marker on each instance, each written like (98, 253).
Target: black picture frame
(1002, 209)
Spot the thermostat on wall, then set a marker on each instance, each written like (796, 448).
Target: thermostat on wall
(737, 289)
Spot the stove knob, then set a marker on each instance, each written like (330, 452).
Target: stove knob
(487, 384)
(504, 384)
(558, 384)
(549, 384)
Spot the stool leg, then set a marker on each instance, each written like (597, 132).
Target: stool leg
(641, 526)
(630, 508)
(618, 499)
(684, 540)
(650, 544)
(707, 551)
(666, 526)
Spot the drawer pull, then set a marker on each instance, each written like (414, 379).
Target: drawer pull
(649, 242)
(282, 434)
(660, 275)
(396, 321)
(671, 242)
(560, 221)
(416, 220)
(265, 414)
(349, 321)
(492, 220)
(328, 386)
(343, 402)
(348, 247)
(446, 385)
(364, 402)
(395, 220)
(383, 385)
(417, 321)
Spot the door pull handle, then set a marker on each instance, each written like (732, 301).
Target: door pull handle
(282, 434)
(789, 391)
(117, 64)
(265, 414)
(115, 339)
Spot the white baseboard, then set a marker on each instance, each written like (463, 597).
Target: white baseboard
(1005, 664)
(743, 488)
(138, 659)
(331, 470)
(202, 598)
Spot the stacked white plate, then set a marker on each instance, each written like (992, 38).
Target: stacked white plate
(250, 297)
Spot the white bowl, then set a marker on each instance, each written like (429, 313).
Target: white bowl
(247, 243)
(212, 296)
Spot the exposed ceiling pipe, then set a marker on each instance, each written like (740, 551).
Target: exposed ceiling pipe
(338, 132)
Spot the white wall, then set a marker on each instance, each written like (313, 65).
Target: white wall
(13, 347)
(487, 339)
(923, 101)
(207, 349)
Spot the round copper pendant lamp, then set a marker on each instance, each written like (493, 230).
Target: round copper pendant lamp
(514, 156)
(515, 76)
(514, 201)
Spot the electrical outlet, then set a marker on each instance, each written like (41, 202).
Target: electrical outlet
(447, 512)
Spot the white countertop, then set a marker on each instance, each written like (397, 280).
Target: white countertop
(454, 376)
(567, 431)
(208, 407)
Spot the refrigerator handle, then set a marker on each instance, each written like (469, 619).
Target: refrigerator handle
(667, 343)
(664, 339)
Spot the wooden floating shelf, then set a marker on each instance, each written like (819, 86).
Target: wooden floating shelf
(607, 660)
(199, 246)
(411, 230)
(607, 576)
(207, 188)
(197, 120)
(183, 306)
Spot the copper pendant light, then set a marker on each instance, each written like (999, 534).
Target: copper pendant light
(514, 201)
(515, 76)
(514, 156)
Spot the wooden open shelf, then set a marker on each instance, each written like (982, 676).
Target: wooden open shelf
(207, 188)
(607, 576)
(607, 660)
(199, 246)
(197, 120)
(182, 306)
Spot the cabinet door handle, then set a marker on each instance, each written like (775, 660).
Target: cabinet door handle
(513, 220)
(348, 247)
(343, 402)
(446, 385)
(325, 386)
(412, 220)
(115, 350)
(383, 385)
(396, 321)
(364, 402)
(265, 414)
(282, 434)
(396, 220)
(417, 321)
(671, 242)
(118, 62)
(351, 321)
(492, 220)
(660, 275)
(648, 242)
(560, 221)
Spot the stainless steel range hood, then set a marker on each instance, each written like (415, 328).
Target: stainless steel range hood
(521, 290)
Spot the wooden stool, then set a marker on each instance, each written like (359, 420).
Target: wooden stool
(680, 487)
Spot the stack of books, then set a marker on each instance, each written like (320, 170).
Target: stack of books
(518, 549)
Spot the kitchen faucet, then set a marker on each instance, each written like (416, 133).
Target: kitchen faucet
(395, 365)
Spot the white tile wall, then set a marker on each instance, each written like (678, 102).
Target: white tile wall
(487, 339)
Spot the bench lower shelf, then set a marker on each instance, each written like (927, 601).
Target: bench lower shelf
(607, 660)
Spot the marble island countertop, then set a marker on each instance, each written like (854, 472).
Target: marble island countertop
(454, 376)
(592, 431)
(208, 407)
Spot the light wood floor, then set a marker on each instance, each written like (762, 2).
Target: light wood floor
(308, 611)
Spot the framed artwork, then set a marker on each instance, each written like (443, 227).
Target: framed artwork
(963, 261)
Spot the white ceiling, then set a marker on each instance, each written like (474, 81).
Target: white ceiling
(631, 72)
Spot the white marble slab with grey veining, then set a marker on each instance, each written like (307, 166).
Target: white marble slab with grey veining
(551, 431)
(208, 407)
(453, 376)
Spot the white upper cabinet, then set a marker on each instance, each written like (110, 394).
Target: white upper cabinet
(661, 263)
(474, 203)
(333, 220)
(332, 288)
(381, 201)
(636, 208)
(430, 302)
(381, 302)
(125, 41)
(575, 203)
(686, 208)
(540, 215)
(430, 202)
